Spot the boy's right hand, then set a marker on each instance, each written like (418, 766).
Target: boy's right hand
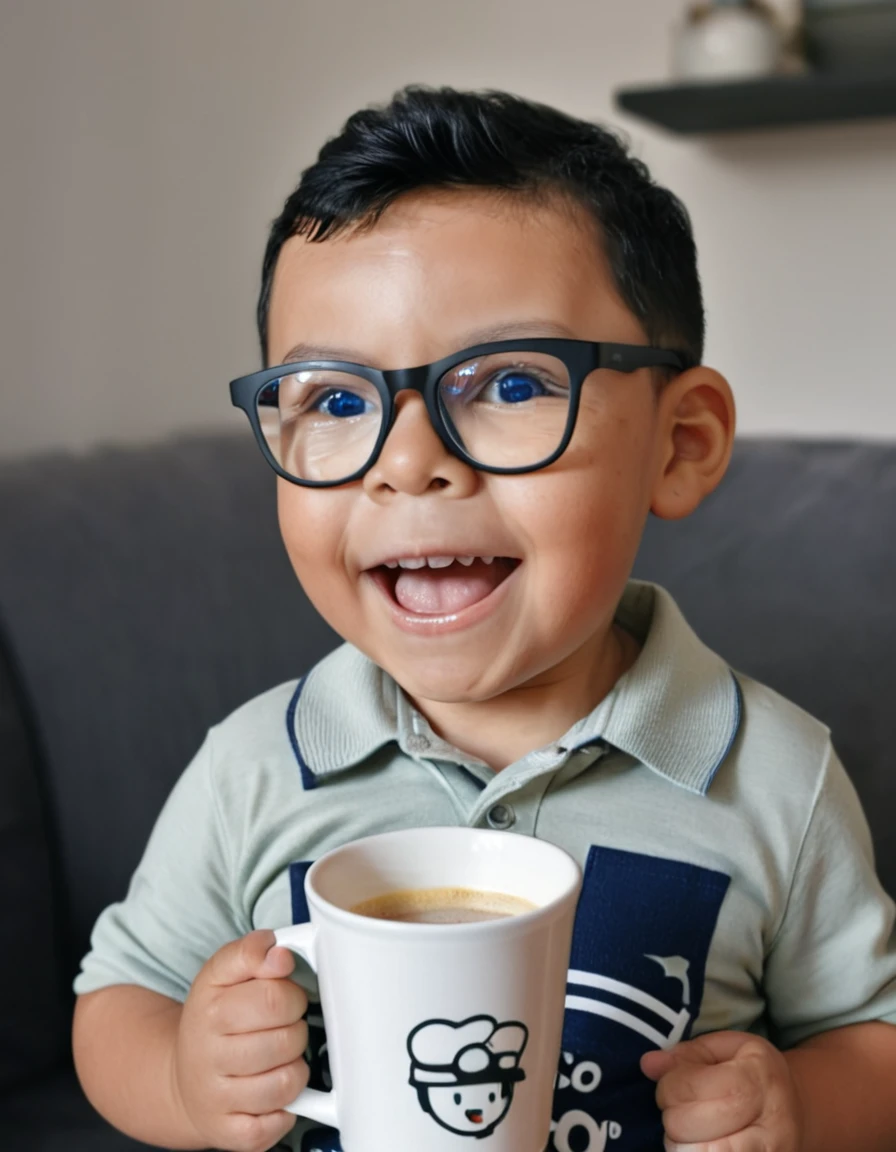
(239, 1057)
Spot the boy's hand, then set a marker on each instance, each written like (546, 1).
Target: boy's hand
(726, 1092)
(240, 1046)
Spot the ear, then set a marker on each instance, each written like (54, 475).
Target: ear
(696, 426)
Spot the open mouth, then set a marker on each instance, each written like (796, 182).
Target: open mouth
(441, 585)
(474, 1115)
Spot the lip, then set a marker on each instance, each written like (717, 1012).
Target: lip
(414, 624)
(474, 1115)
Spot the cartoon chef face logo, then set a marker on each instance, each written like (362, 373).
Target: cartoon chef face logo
(465, 1073)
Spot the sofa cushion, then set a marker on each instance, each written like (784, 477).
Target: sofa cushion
(31, 1034)
(147, 594)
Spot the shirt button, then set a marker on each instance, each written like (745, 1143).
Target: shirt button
(417, 743)
(500, 817)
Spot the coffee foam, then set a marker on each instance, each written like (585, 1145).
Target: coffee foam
(443, 906)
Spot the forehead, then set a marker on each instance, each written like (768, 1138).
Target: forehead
(440, 266)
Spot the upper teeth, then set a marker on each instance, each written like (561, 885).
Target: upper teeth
(436, 561)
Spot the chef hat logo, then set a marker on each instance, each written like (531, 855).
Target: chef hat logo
(478, 1050)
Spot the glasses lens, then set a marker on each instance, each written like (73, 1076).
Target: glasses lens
(507, 409)
(320, 424)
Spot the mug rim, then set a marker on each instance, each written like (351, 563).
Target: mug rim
(509, 924)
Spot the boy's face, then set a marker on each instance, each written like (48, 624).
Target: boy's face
(442, 271)
(474, 1110)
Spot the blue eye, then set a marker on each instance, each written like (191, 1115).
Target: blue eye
(342, 404)
(457, 1097)
(515, 384)
(517, 388)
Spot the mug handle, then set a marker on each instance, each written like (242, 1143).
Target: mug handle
(319, 1106)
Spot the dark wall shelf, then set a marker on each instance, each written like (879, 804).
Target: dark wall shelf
(775, 101)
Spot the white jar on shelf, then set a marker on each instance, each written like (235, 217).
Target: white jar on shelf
(726, 39)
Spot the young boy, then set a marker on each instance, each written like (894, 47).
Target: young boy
(469, 528)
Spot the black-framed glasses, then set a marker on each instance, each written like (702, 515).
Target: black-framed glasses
(507, 407)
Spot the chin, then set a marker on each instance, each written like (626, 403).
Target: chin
(439, 682)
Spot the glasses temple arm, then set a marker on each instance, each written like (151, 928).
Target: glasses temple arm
(629, 358)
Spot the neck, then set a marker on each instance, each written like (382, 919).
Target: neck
(508, 727)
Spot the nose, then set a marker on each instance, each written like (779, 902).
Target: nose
(414, 460)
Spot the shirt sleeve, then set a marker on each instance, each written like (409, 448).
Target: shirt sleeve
(178, 909)
(833, 961)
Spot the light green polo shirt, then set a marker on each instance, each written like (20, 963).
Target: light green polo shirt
(729, 878)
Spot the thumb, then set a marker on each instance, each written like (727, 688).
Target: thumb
(712, 1048)
(656, 1064)
(250, 958)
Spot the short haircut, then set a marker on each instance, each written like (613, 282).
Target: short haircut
(443, 138)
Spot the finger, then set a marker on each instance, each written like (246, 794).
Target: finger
(245, 1131)
(690, 1053)
(278, 962)
(267, 1091)
(712, 1120)
(691, 1083)
(250, 1053)
(713, 1048)
(249, 957)
(751, 1141)
(656, 1064)
(258, 1005)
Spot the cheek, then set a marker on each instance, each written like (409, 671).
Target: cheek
(583, 521)
(585, 518)
(313, 524)
(609, 484)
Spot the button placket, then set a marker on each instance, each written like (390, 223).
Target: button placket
(510, 793)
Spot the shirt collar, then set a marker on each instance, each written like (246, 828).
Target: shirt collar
(348, 710)
(677, 710)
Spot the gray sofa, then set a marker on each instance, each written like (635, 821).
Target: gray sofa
(144, 593)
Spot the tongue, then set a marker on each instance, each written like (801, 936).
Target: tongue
(443, 591)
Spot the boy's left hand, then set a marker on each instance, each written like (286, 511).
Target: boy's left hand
(726, 1092)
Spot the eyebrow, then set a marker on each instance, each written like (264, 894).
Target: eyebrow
(508, 331)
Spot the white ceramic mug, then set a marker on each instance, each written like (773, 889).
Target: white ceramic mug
(441, 1037)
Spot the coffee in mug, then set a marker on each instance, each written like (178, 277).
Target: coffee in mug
(443, 906)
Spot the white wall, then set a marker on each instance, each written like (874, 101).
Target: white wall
(146, 144)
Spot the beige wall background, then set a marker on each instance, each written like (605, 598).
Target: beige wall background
(145, 145)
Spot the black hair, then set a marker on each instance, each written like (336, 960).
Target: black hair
(443, 138)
